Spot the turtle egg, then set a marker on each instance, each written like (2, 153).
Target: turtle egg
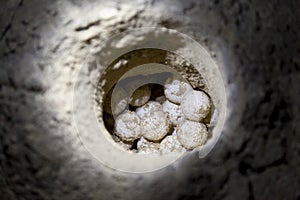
(174, 112)
(155, 125)
(148, 109)
(192, 134)
(140, 96)
(176, 90)
(146, 147)
(195, 105)
(171, 144)
(128, 126)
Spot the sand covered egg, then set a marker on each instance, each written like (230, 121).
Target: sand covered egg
(195, 105)
(192, 134)
(149, 108)
(128, 126)
(174, 112)
(146, 147)
(171, 144)
(176, 89)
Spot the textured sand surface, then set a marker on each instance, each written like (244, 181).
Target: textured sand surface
(43, 44)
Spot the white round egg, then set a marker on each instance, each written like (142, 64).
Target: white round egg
(148, 109)
(155, 125)
(176, 89)
(128, 126)
(174, 112)
(195, 105)
(170, 144)
(192, 134)
(146, 147)
(140, 96)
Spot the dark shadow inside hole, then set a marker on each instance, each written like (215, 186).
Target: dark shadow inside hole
(134, 146)
(132, 108)
(109, 122)
(157, 90)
